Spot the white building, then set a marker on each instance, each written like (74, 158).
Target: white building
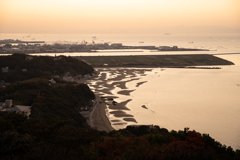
(52, 81)
(20, 109)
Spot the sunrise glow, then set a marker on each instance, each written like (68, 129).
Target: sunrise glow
(108, 16)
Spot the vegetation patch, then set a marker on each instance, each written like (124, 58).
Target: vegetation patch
(155, 60)
(49, 102)
(20, 67)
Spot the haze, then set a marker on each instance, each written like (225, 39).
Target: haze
(120, 16)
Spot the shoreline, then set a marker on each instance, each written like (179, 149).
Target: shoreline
(112, 83)
(110, 86)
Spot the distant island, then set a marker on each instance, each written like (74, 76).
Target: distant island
(10, 46)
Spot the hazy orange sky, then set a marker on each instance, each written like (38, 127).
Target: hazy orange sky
(120, 16)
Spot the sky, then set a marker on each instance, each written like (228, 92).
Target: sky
(120, 16)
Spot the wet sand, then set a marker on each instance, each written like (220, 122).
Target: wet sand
(110, 84)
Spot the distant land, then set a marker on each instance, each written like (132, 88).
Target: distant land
(9, 46)
(176, 61)
(6, 41)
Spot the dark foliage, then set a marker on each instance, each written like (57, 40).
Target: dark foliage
(49, 102)
(40, 66)
(22, 138)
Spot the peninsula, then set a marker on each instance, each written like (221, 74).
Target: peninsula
(167, 61)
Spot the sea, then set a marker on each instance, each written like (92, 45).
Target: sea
(205, 100)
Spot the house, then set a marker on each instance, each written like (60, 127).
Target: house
(20, 109)
(68, 77)
(5, 69)
(52, 81)
(24, 70)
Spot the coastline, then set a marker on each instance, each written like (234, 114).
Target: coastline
(113, 84)
(112, 80)
(110, 87)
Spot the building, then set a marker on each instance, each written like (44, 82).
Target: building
(8, 102)
(175, 47)
(52, 81)
(20, 109)
(5, 69)
(116, 45)
(24, 70)
(2, 105)
(68, 77)
(164, 47)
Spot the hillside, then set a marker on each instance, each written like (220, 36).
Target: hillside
(22, 67)
(22, 138)
(49, 102)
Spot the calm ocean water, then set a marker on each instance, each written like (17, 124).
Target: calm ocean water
(205, 100)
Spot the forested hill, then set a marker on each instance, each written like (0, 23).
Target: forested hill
(49, 102)
(23, 139)
(22, 67)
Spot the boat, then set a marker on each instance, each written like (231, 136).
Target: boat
(167, 34)
(143, 106)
